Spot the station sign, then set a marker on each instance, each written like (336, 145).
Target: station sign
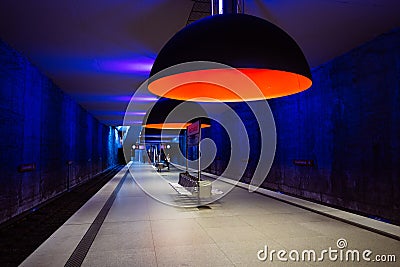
(193, 128)
(193, 134)
(193, 140)
(303, 162)
(27, 167)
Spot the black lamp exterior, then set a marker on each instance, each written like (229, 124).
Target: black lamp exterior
(236, 40)
(164, 107)
(158, 115)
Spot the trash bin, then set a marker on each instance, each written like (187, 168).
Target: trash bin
(204, 189)
(160, 165)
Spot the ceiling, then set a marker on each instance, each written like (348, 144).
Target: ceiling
(100, 51)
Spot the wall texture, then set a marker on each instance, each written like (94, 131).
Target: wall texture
(348, 123)
(40, 124)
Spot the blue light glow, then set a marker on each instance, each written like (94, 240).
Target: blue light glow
(137, 98)
(159, 135)
(133, 64)
(126, 122)
(113, 98)
(118, 113)
(140, 65)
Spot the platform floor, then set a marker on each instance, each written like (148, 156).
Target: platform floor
(138, 230)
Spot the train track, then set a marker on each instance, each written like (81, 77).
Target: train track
(22, 236)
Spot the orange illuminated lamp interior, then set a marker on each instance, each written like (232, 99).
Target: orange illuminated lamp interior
(230, 86)
(172, 126)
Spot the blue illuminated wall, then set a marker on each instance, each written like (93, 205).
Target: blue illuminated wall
(348, 123)
(40, 124)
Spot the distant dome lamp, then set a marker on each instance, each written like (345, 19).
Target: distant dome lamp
(170, 114)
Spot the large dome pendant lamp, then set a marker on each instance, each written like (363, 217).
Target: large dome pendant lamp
(257, 48)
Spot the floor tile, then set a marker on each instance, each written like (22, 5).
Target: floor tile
(121, 258)
(139, 230)
(195, 255)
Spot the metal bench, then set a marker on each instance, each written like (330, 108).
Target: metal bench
(160, 165)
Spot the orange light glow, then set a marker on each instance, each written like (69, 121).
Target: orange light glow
(172, 126)
(228, 85)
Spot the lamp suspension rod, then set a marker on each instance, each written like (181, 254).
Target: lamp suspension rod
(227, 7)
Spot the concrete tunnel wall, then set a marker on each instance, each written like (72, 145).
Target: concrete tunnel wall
(42, 125)
(347, 123)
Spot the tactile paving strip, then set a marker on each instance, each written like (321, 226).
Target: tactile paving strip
(84, 245)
